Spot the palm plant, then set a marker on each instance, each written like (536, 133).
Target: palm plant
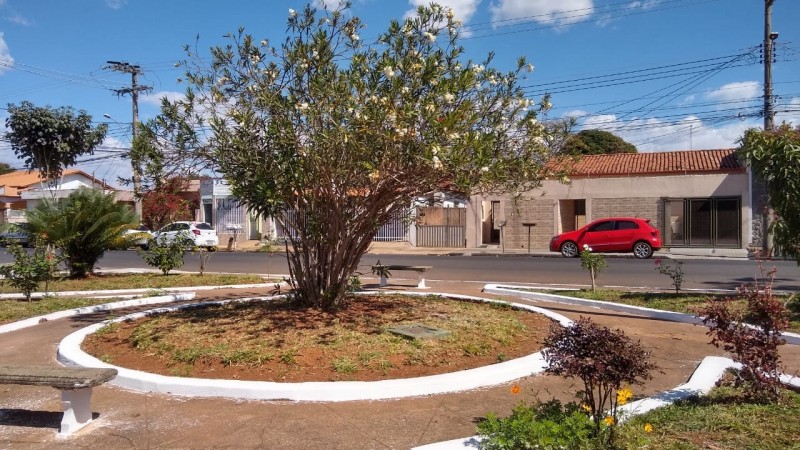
(82, 227)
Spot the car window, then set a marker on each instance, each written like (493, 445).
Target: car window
(203, 226)
(627, 225)
(602, 226)
(182, 226)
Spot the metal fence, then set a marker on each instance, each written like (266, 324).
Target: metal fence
(394, 230)
(441, 227)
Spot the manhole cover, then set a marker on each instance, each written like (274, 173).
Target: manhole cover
(419, 331)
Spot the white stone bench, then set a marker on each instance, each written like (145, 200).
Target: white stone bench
(385, 270)
(76, 385)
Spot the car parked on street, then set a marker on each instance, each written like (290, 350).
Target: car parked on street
(16, 233)
(193, 234)
(613, 234)
(140, 236)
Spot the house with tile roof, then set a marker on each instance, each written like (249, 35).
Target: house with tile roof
(22, 190)
(700, 200)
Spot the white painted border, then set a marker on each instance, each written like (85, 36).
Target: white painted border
(521, 291)
(33, 321)
(121, 292)
(70, 353)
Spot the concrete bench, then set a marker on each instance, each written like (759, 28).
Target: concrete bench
(76, 385)
(383, 270)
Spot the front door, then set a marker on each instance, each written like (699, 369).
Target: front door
(494, 223)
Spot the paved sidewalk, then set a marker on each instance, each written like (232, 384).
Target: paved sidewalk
(29, 416)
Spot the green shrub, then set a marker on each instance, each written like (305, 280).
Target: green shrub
(548, 425)
(165, 257)
(28, 270)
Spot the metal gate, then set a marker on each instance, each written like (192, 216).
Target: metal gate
(441, 227)
(396, 229)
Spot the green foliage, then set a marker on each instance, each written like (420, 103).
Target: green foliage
(756, 346)
(604, 360)
(672, 269)
(347, 145)
(774, 157)
(28, 271)
(548, 425)
(165, 257)
(5, 168)
(597, 142)
(48, 140)
(83, 227)
(593, 262)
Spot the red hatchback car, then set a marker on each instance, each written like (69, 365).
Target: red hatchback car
(614, 234)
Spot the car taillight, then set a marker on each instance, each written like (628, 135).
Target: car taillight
(197, 232)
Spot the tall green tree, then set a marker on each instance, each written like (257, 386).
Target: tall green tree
(597, 142)
(346, 133)
(51, 139)
(774, 157)
(5, 168)
(82, 228)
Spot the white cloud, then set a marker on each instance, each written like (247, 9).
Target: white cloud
(792, 116)
(563, 12)
(116, 4)
(745, 90)
(155, 98)
(644, 4)
(462, 9)
(5, 55)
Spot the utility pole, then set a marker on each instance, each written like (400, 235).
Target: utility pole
(769, 42)
(769, 114)
(134, 90)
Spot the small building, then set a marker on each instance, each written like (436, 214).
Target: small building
(700, 200)
(22, 190)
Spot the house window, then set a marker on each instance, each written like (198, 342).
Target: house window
(702, 222)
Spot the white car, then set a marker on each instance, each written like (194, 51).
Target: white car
(194, 234)
(142, 236)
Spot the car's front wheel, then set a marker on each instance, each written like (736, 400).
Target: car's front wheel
(569, 249)
(642, 250)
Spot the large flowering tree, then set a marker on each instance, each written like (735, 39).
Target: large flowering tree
(348, 133)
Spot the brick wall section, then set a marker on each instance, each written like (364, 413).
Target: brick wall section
(539, 211)
(643, 207)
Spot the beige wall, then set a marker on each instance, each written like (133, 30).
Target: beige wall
(605, 197)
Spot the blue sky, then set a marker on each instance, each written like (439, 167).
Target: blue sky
(663, 74)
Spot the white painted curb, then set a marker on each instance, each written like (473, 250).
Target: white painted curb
(111, 292)
(32, 321)
(70, 353)
(498, 289)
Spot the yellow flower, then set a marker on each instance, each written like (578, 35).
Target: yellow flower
(609, 420)
(648, 428)
(586, 407)
(515, 389)
(623, 396)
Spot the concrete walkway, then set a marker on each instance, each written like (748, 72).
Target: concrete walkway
(29, 416)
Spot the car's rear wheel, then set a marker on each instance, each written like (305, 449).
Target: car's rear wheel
(642, 250)
(569, 249)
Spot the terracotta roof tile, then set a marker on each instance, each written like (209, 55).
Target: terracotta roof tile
(661, 163)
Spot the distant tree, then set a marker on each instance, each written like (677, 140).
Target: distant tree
(774, 157)
(51, 139)
(5, 168)
(597, 142)
(348, 133)
(164, 204)
(82, 228)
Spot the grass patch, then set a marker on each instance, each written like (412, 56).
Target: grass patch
(721, 420)
(144, 281)
(14, 310)
(670, 301)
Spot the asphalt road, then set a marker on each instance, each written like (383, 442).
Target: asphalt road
(629, 272)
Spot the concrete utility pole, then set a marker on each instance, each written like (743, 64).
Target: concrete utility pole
(769, 113)
(134, 90)
(769, 42)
